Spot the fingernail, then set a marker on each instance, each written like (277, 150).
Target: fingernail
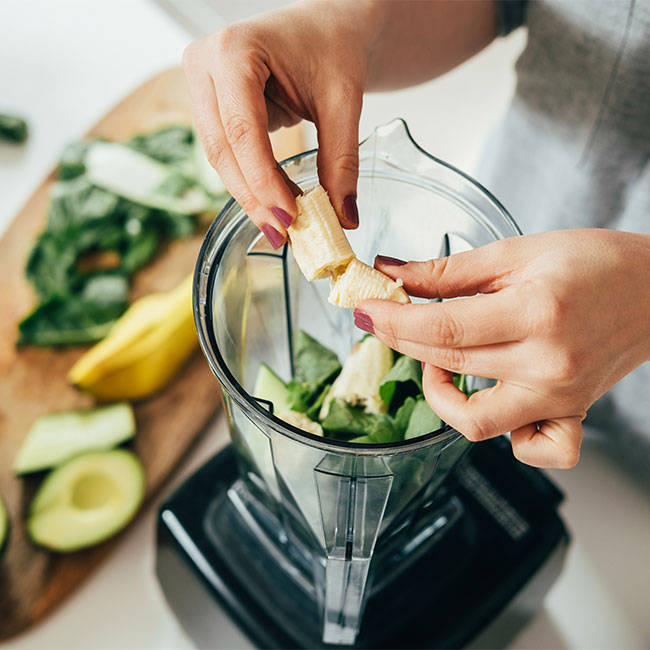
(350, 210)
(364, 325)
(389, 261)
(363, 321)
(275, 238)
(282, 216)
(423, 364)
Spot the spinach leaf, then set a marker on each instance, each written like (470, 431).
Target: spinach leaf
(423, 420)
(71, 162)
(50, 266)
(76, 203)
(403, 415)
(77, 319)
(302, 395)
(315, 408)
(169, 144)
(12, 128)
(314, 363)
(353, 420)
(403, 380)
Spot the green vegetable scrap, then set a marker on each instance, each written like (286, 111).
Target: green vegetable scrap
(103, 224)
(316, 368)
(403, 380)
(13, 128)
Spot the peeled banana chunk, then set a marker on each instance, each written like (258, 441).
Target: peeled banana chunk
(301, 421)
(359, 282)
(321, 249)
(318, 242)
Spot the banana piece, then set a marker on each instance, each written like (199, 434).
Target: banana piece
(358, 383)
(301, 421)
(143, 350)
(359, 282)
(318, 242)
(321, 249)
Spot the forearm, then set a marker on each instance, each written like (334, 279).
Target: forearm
(412, 41)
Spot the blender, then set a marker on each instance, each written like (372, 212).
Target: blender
(310, 541)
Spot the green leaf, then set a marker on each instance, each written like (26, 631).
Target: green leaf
(423, 420)
(315, 408)
(71, 161)
(314, 363)
(403, 415)
(75, 203)
(169, 144)
(301, 395)
(50, 266)
(352, 420)
(403, 380)
(13, 128)
(77, 320)
(141, 246)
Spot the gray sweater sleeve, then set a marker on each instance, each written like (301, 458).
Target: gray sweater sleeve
(510, 15)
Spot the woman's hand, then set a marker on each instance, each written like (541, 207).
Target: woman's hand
(313, 61)
(304, 62)
(562, 317)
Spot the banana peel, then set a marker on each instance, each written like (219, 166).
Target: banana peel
(143, 350)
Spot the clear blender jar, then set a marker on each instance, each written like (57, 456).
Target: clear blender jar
(338, 520)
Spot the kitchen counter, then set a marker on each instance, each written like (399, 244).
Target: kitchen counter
(67, 63)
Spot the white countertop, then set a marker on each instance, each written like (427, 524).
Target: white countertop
(66, 63)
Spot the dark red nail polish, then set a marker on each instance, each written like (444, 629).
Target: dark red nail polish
(350, 210)
(389, 261)
(275, 238)
(361, 315)
(282, 216)
(364, 325)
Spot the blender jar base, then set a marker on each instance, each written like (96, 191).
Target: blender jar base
(493, 546)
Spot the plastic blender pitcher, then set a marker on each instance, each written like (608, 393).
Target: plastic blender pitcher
(326, 508)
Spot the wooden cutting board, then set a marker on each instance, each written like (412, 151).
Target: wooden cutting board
(33, 380)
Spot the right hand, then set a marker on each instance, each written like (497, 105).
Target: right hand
(305, 62)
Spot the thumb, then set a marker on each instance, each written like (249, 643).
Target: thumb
(464, 274)
(338, 156)
(551, 443)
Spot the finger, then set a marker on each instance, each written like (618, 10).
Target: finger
(481, 270)
(487, 413)
(210, 132)
(501, 360)
(338, 155)
(480, 320)
(242, 107)
(550, 443)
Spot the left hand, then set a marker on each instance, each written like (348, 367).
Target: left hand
(562, 317)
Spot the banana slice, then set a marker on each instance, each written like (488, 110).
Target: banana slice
(318, 242)
(301, 421)
(359, 282)
(358, 383)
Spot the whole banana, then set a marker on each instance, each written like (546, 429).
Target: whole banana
(143, 350)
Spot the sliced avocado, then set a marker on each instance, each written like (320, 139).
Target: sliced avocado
(86, 500)
(270, 387)
(4, 526)
(55, 438)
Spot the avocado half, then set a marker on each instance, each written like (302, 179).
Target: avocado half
(86, 500)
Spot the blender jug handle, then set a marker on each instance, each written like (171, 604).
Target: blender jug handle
(352, 494)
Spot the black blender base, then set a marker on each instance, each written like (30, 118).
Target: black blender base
(477, 587)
